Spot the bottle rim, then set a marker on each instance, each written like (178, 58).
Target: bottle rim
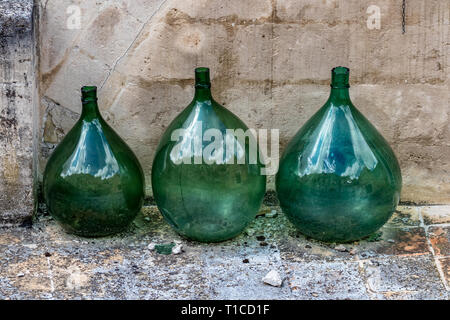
(202, 78)
(340, 77)
(88, 94)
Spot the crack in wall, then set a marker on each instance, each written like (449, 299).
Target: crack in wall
(132, 43)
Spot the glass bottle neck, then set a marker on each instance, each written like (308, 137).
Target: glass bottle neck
(89, 101)
(340, 95)
(202, 85)
(340, 86)
(202, 94)
(90, 110)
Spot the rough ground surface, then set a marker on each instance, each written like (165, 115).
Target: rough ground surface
(410, 259)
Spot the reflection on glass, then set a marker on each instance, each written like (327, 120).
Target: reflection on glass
(98, 162)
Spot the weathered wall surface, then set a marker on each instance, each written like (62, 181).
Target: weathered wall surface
(16, 111)
(270, 62)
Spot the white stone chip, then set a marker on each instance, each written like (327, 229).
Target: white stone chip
(151, 246)
(177, 249)
(250, 232)
(271, 214)
(273, 278)
(340, 248)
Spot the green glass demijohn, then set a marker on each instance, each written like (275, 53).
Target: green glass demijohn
(93, 183)
(206, 198)
(338, 178)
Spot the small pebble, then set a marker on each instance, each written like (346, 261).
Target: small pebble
(47, 254)
(245, 261)
(250, 232)
(308, 246)
(367, 254)
(20, 275)
(177, 249)
(260, 238)
(391, 240)
(340, 248)
(263, 244)
(273, 278)
(151, 246)
(352, 251)
(31, 246)
(271, 214)
(374, 263)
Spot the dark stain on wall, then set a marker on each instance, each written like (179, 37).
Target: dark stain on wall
(16, 111)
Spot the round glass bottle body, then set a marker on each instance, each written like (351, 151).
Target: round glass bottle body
(93, 183)
(200, 192)
(338, 178)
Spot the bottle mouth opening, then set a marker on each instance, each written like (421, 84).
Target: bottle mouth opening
(202, 79)
(88, 94)
(340, 70)
(340, 77)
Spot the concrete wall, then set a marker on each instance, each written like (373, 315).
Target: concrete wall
(17, 86)
(270, 62)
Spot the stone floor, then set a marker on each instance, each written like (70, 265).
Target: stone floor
(408, 259)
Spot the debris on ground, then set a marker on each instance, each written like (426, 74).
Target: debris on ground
(341, 248)
(177, 249)
(368, 254)
(376, 236)
(250, 232)
(272, 214)
(273, 278)
(165, 248)
(263, 212)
